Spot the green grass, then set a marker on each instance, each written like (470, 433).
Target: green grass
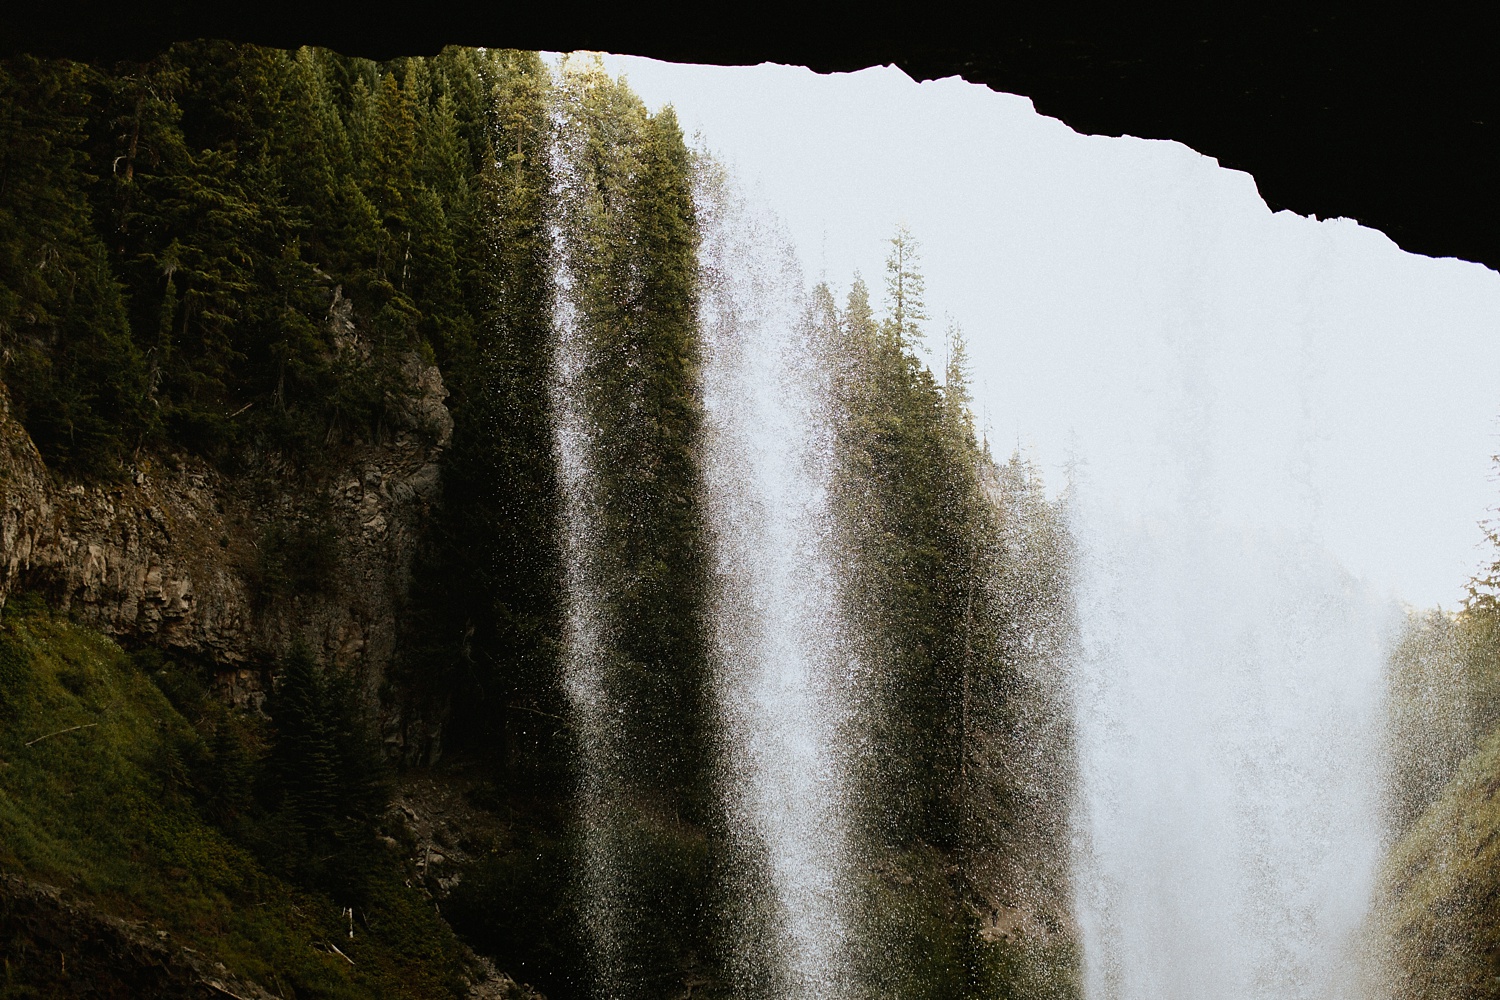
(117, 812)
(109, 811)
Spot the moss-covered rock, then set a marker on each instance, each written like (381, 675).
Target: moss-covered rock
(102, 795)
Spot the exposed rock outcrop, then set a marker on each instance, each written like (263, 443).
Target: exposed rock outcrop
(443, 832)
(234, 569)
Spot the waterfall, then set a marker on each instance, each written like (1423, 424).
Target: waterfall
(584, 645)
(778, 635)
(773, 644)
(600, 732)
(1226, 680)
(1228, 698)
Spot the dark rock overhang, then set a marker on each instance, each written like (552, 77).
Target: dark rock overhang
(1386, 119)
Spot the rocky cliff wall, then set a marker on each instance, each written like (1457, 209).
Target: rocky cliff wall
(235, 570)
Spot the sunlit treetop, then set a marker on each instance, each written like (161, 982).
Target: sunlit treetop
(904, 286)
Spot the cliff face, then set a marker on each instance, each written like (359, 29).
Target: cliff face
(235, 570)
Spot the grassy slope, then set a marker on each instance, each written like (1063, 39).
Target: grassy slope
(101, 811)
(1442, 890)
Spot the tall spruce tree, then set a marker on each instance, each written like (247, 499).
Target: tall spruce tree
(325, 781)
(630, 239)
(484, 654)
(939, 548)
(906, 289)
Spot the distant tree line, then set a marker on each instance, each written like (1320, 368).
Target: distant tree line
(178, 234)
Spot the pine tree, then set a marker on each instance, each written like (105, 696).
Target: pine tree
(78, 384)
(231, 773)
(304, 758)
(948, 581)
(325, 779)
(905, 287)
(488, 601)
(630, 239)
(956, 392)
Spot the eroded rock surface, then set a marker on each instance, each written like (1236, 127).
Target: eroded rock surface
(179, 555)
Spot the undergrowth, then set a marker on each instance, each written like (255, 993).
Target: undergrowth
(130, 802)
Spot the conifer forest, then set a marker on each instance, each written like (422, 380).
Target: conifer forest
(451, 549)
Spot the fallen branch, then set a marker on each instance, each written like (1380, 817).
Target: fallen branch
(339, 953)
(537, 711)
(70, 729)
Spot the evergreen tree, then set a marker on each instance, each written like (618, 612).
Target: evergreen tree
(905, 287)
(325, 780)
(77, 382)
(488, 601)
(959, 720)
(231, 773)
(956, 392)
(633, 254)
(630, 244)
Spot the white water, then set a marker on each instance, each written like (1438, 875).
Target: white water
(585, 646)
(777, 632)
(1227, 693)
(1228, 701)
(1228, 734)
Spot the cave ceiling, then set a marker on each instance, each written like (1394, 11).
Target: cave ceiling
(1386, 119)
